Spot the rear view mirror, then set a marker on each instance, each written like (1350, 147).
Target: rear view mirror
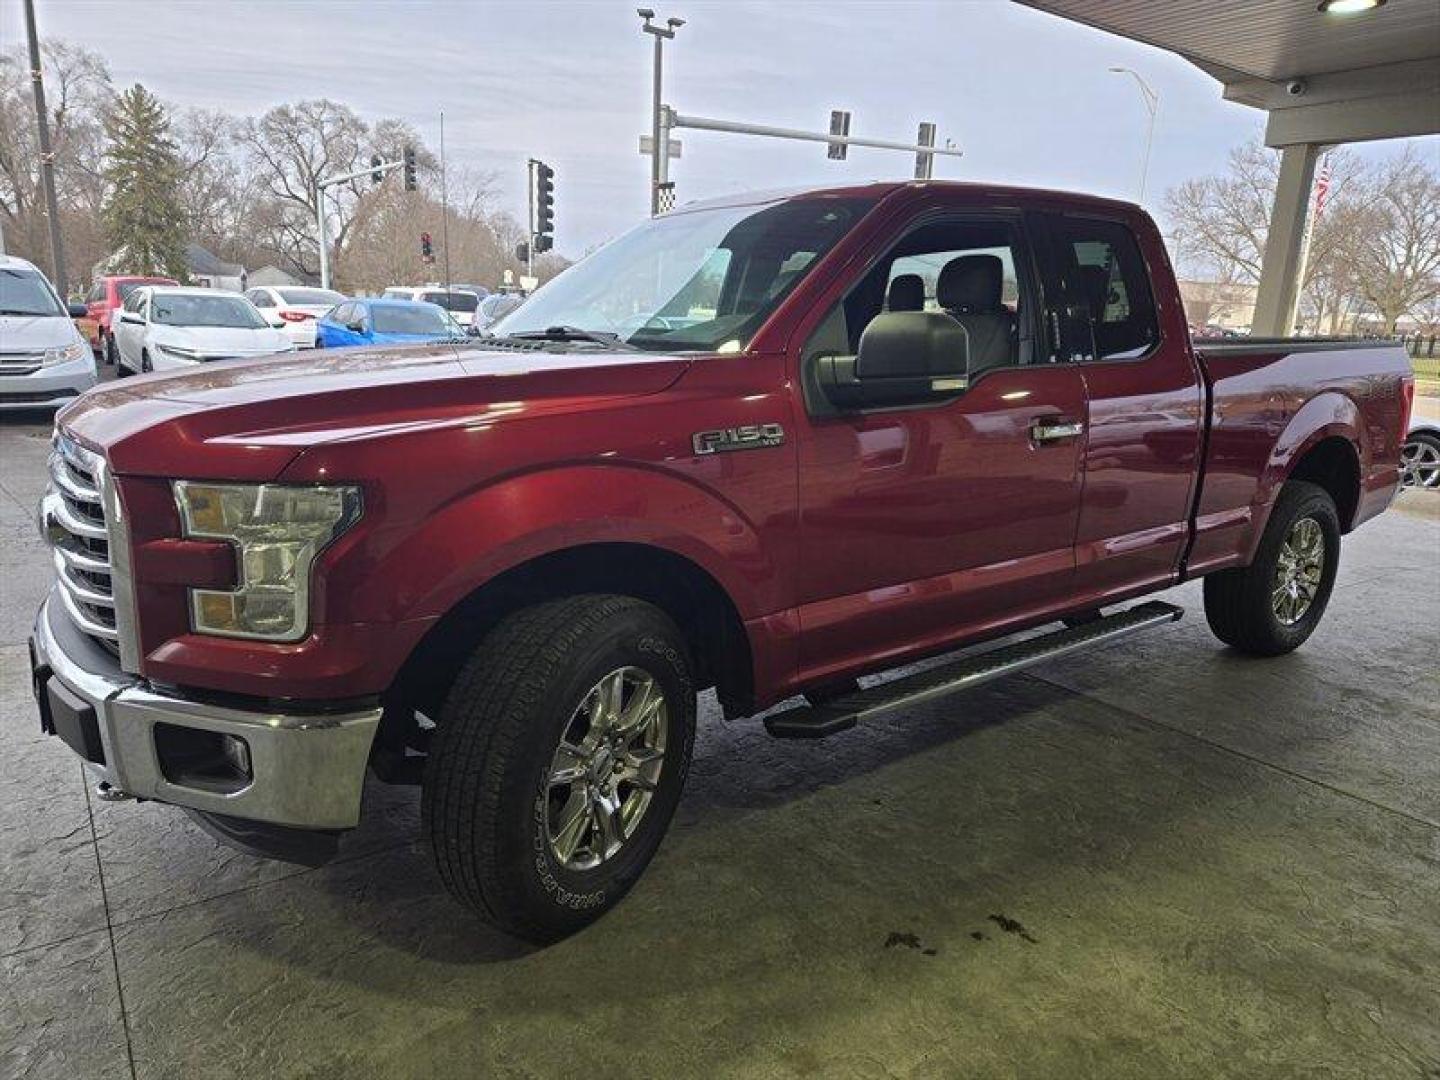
(905, 358)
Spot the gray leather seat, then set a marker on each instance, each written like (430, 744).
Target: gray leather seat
(969, 288)
(907, 293)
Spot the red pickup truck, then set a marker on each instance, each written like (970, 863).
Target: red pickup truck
(766, 445)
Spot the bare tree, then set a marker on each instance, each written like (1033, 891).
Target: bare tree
(1396, 253)
(78, 93)
(291, 148)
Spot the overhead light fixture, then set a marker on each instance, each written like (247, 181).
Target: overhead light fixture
(1348, 7)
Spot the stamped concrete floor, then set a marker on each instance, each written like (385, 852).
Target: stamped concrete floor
(1160, 859)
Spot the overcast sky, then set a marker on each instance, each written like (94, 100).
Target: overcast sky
(1026, 95)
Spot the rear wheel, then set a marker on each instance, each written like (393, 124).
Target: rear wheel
(1271, 606)
(558, 760)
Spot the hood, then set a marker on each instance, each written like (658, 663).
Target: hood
(246, 420)
(35, 333)
(222, 340)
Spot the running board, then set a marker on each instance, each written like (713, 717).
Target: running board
(842, 713)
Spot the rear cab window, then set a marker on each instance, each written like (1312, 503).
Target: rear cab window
(1108, 311)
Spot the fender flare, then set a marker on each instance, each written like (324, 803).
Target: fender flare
(1327, 415)
(514, 519)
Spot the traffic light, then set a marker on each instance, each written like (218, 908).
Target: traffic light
(375, 174)
(427, 252)
(543, 226)
(410, 176)
(522, 251)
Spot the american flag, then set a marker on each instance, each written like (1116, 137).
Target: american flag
(1322, 185)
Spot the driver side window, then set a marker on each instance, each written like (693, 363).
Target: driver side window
(971, 270)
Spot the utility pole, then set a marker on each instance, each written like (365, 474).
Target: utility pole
(47, 155)
(444, 204)
(1152, 106)
(659, 150)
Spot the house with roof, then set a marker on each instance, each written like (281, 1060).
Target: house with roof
(208, 270)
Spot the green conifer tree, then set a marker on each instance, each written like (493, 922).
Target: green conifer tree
(142, 211)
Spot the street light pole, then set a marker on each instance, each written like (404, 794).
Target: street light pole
(47, 154)
(1152, 105)
(659, 151)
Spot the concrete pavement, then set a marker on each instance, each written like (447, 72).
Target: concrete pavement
(1159, 859)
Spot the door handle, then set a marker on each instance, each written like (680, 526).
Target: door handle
(1054, 429)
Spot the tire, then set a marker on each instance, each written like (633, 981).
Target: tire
(1241, 604)
(490, 806)
(145, 366)
(1420, 461)
(108, 351)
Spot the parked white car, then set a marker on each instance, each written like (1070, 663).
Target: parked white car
(460, 303)
(44, 361)
(170, 327)
(295, 309)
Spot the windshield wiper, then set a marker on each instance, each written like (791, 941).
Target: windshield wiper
(18, 312)
(565, 332)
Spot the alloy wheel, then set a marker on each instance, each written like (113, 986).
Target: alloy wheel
(1298, 571)
(1420, 464)
(604, 773)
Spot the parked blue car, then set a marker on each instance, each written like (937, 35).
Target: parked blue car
(385, 322)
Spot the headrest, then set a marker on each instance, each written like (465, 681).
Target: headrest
(907, 293)
(1095, 284)
(971, 284)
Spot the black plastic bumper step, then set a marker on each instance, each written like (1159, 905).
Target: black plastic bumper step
(839, 714)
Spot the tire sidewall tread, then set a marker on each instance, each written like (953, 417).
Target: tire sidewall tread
(496, 736)
(1238, 602)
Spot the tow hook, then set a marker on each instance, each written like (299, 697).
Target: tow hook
(107, 792)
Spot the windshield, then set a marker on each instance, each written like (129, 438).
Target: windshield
(411, 319)
(186, 310)
(25, 292)
(312, 297)
(455, 301)
(697, 280)
(125, 288)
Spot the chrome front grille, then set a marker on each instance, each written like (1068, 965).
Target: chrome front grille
(79, 535)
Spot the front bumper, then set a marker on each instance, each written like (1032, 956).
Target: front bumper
(47, 387)
(307, 771)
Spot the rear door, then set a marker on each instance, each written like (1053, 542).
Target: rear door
(920, 525)
(1145, 403)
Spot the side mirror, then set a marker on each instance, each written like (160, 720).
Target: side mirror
(356, 326)
(78, 311)
(131, 317)
(905, 358)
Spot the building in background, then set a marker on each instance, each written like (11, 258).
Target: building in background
(209, 271)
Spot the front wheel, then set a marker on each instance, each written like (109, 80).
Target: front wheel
(557, 762)
(1273, 605)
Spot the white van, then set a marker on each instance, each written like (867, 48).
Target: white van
(44, 362)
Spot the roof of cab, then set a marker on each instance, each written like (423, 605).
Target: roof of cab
(879, 190)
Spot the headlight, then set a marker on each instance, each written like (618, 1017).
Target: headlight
(277, 530)
(64, 354)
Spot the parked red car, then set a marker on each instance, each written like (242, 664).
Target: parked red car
(104, 298)
(767, 445)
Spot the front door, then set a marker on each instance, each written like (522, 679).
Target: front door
(925, 524)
